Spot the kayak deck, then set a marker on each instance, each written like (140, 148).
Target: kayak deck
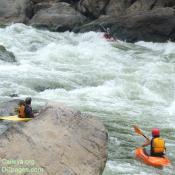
(15, 118)
(150, 160)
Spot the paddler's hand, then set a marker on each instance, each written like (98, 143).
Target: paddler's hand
(147, 143)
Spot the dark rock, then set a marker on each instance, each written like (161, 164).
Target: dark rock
(128, 19)
(15, 11)
(164, 3)
(58, 16)
(6, 55)
(156, 25)
(40, 1)
(117, 7)
(13, 95)
(41, 6)
(70, 1)
(141, 5)
(95, 25)
(92, 8)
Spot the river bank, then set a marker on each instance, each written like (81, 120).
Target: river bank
(130, 20)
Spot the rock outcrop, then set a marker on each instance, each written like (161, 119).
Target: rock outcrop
(157, 25)
(15, 11)
(117, 8)
(128, 19)
(6, 56)
(59, 141)
(92, 8)
(57, 16)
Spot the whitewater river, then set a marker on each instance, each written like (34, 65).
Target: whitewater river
(122, 84)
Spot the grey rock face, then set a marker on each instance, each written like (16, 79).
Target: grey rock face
(15, 11)
(57, 16)
(6, 55)
(60, 140)
(92, 8)
(141, 5)
(117, 7)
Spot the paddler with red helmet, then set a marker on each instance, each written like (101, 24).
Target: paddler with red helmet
(157, 144)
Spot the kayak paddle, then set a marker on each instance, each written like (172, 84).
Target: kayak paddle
(138, 131)
(104, 30)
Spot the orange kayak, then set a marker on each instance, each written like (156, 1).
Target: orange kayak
(149, 160)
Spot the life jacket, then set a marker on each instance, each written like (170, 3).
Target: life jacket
(28, 111)
(21, 111)
(158, 145)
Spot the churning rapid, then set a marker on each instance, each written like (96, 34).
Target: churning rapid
(123, 84)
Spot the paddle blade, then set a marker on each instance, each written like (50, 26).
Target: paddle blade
(137, 130)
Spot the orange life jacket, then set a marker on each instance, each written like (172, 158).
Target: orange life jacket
(21, 112)
(158, 145)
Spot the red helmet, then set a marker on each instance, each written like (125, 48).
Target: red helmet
(155, 132)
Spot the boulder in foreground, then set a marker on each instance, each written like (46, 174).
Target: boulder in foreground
(60, 141)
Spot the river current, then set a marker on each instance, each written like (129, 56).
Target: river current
(123, 84)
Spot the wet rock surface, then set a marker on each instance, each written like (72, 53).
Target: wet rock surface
(6, 56)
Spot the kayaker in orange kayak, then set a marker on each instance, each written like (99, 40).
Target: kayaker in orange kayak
(157, 144)
(155, 157)
(107, 35)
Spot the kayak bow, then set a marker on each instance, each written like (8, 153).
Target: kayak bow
(15, 118)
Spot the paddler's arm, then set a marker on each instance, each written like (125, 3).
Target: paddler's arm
(148, 142)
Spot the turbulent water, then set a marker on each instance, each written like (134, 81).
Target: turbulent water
(122, 84)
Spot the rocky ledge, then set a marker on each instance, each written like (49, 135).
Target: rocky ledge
(59, 141)
(6, 56)
(130, 20)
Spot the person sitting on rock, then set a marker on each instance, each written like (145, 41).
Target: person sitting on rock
(28, 108)
(21, 109)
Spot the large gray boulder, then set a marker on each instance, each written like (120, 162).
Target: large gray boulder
(15, 11)
(59, 141)
(92, 8)
(141, 5)
(117, 7)
(59, 16)
(164, 3)
(157, 25)
(41, 1)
